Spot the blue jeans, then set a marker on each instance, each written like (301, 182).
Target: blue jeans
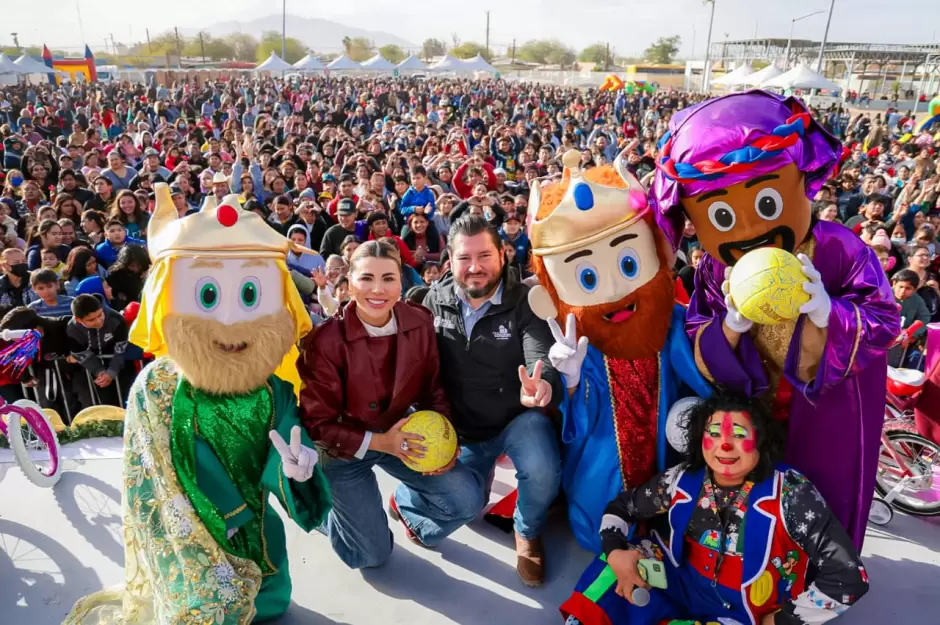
(433, 506)
(531, 443)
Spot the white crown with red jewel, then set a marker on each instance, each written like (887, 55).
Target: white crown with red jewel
(588, 211)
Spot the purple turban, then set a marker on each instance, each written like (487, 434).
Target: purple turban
(727, 140)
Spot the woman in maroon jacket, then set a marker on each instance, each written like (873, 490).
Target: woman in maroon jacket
(362, 374)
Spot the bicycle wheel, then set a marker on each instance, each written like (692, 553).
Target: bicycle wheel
(881, 512)
(37, 452)
(920, 495)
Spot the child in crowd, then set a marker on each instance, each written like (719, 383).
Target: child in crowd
(512, 232)
(883, 248)
(905, 284)
(45, 284)
(50, 260)
(418, 194)
(115, 238)
(431, 272)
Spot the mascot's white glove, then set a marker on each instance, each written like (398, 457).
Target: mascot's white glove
(298, 460)
(568, 353)
(735, 321)
(819, 305)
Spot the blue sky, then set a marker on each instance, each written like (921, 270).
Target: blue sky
(628, 25)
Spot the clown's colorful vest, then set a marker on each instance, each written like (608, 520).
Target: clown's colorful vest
(765, 538)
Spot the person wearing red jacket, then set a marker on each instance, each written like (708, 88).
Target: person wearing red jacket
(363, 372)
(475, 171)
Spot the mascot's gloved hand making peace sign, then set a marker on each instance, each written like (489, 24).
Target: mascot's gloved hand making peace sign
(605, 271)
(743, 168)
(206, 428)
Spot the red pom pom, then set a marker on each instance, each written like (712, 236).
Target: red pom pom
(227, 215)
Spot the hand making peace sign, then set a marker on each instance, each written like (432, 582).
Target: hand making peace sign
(298, 459)
(535, 392)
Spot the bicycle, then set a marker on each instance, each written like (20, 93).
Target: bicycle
(908, 476)
(31, 435)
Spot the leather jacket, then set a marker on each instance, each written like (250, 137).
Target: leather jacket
(348, 387)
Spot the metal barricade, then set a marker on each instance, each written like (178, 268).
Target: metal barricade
(92, 387)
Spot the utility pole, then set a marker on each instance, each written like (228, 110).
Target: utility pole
(487, 33)
(706, 71)
(283, 30)
(117, 57)
(514, 51)
(149, 45)
(202, 47)
(179, 56)
(822, 48)
(16, 42)
(607, 58)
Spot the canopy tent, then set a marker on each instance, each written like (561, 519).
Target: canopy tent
(32, 66)
(378, 63)
(801, 77)
(343, 62)
(274, 63)
(735, 77)
(309, 63)
(8, 67)
(412, 64)
(479, 64)
(449, 64)
(761, 76)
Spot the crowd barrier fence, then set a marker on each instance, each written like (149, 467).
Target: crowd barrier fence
(62, 388)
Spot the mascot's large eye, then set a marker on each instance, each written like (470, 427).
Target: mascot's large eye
(722, 216)
(249, 293)
(207, 294)
(587, 277)
(629, 263)
(769, 204)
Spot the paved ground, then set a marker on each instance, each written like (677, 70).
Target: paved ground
(56, 545)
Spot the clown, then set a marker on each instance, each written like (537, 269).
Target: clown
(738, 533)
(206, 428)
(742, 169)
(605, 268)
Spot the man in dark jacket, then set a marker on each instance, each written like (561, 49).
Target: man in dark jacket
(97, 340)
(495, 369)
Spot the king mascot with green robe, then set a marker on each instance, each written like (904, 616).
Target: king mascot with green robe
(211, 428)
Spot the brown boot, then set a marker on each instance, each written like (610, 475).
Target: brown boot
(530, 560)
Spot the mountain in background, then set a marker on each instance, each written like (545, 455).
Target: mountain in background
(318, 34)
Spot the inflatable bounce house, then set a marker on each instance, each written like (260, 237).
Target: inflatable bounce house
(615, 83)
(933, 115)
(79, 70)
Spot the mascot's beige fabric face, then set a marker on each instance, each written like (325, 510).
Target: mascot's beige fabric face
(227, 327)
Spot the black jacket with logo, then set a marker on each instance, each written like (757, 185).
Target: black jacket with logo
(88, 345)
(480, 373)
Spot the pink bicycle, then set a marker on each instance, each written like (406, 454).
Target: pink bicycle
(31, 435)
(908, 475)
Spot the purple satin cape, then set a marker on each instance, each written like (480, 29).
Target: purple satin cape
(835, 421)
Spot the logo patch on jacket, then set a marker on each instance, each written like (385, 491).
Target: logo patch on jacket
(502, 334)
(443, 322)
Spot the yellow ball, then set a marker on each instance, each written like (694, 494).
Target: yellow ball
(440, 438)
(767, 286)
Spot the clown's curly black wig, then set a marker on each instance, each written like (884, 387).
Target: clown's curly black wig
(769, 433)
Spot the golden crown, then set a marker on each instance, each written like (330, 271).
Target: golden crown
(588, 211)
(217, 230)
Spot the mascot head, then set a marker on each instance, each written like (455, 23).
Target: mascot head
(599, 256)
(743, 169)
(219, 300)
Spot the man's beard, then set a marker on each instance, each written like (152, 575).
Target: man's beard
(480, 291)
(255, 349)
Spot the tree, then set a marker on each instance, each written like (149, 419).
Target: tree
(664, 50)
(271, 42)
(245, 46)
(212, 48)
(358, 48)
(431, 48)
(546, 52)
(392, 53)
(161, 45)
(470, 49)
(596, 53)
(347, 44)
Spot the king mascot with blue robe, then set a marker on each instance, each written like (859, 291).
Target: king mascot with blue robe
(605, 270)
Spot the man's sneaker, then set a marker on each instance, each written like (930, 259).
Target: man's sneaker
(395, 514)
(530, 560)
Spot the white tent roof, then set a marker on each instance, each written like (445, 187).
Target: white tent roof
(309, 62)
(449, 64)
(734, 77)
(412, 63)
(479, 64)
(274, 63)
(7, 66)
(800, 77)
(343, 62)
(32, 66)
(378, 62)
(761, 76)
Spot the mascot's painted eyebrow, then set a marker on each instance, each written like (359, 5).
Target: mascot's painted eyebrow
(206, 263)
(750, 183)
(255, 262)
(578, 254)
(623, 237)
(710, 195)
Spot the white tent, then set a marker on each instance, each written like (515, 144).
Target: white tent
(801, 77)
(761, 76)
(412, 64)
(343, 63)
(479, 64)
(734, 77)
(449, 64)
(32, 66)
(309, 63)
(378, 63)
(274, 63)
(8, 67)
